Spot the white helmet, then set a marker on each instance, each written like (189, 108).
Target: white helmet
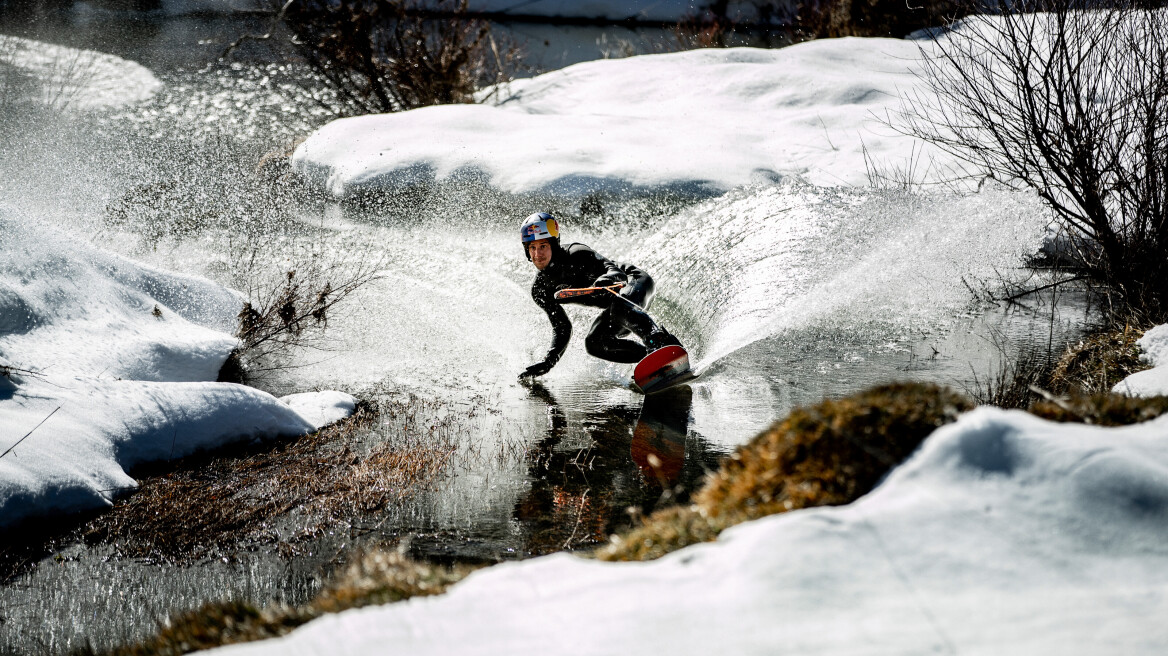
(540, 225)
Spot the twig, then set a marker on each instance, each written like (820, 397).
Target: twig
(257, 37)
(1061, 403)
(579, 515)
(29, 433)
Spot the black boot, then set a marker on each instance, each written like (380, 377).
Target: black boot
(661, 338)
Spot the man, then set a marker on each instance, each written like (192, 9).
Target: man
(576, 265)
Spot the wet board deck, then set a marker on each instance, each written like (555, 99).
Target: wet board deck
(662, 369)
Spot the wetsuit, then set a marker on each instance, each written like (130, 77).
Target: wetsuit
(576, 265)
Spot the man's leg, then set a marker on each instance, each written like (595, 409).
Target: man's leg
(604, 341)
(619, 319)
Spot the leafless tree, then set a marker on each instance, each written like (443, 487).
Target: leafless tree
(380, 56)
(1072, 103)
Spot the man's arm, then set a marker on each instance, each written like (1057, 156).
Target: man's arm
(605, 271)
(561, 332)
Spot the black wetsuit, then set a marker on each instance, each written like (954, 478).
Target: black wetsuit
(576, 265)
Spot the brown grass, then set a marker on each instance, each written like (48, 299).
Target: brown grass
(1101, 409)
(826, 454)
(1097, 362)
(377, 577)
(209, 507)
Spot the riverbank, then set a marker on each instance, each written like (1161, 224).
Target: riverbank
(829, 454)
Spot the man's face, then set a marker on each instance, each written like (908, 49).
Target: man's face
(541, 253)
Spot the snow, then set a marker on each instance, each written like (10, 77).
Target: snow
(702, 122)
(1004, 534)
(74, 79)
(1154, 381)
(321, 408)
(106, 365)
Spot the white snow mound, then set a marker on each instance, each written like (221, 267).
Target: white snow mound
(1004, 534)
(1154, 381)
(68, 78)
(702, 122)
(104, 365)
(321, 408)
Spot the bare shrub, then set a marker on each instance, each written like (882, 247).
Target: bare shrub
(380, 57)
(36, 77)
(292, 313)
(1073, 104)
(819, 19)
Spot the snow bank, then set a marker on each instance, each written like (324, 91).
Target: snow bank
(1154, 381)
(1004, 534)
(321, 408)
(68, 78)
(113, 357)
(702, 121)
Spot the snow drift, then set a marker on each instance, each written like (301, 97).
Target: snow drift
(700, 122)
(67, 78)
(1154, 381)
(103, 367)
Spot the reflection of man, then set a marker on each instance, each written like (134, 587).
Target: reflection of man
(658, 445)
(576, 265)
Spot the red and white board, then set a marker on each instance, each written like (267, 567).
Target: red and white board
(662, 369)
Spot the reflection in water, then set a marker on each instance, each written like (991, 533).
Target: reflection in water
(659, 438)
(582, 492)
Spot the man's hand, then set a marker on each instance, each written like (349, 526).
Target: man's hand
(537, 369)
(608, 282)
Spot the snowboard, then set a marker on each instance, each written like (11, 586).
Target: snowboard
(662, 369)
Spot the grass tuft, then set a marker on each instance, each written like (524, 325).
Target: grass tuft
(377, 577)
(1101, 409)
(1098, 362)
(827, 454)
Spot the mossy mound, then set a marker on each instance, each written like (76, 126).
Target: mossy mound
(827, 454)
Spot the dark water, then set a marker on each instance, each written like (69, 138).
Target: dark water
(785, 294)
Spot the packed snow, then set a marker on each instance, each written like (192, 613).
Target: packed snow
(66, 78)
(1004, 534)
(105, 364)
(701, 122)
(1154, 381)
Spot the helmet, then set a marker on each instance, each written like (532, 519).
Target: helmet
(540, 225)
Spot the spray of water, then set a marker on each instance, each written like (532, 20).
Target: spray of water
(876, 265)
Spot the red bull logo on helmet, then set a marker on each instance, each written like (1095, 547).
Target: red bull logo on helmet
(539, 226)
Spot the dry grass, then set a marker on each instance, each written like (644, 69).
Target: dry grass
(827, 454)
(376, 577)
(212, 506)
(1097, 362)
(1101, 409)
